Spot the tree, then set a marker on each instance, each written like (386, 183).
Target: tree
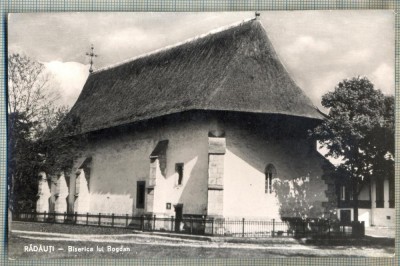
(360, 130)
(32, 113)
(36, 140)
(21, 162)
(30, 92)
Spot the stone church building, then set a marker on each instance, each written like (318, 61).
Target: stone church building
(202, 128)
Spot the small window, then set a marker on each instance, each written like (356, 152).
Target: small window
(270, 173)
(140, 194)
(346, 193)
(179, 171)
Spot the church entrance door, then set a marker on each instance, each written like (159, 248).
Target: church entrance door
(178, 216)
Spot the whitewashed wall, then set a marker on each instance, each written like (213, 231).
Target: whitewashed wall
(248, 154)
(118, 162)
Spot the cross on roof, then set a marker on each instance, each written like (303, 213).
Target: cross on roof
(91, 54)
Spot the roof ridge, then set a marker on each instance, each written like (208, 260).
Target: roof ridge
(168, 47)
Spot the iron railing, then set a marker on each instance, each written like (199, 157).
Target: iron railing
(198, 226)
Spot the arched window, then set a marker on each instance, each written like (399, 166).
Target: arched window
(270, 173)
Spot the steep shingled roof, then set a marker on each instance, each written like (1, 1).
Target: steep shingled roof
(235, 69)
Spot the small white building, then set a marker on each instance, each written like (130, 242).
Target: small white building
(376, 203)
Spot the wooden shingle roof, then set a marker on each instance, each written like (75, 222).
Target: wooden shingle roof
(235, 69)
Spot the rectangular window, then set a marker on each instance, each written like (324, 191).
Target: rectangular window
(140, 194)
(179, 171)
(379, 193)
(270, 183)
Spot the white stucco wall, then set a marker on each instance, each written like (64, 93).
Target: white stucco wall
(247, 156)
(382, 216)
(365, 193)
(385, 217)
(119, 161)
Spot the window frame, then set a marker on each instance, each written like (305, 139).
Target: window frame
(179, 169)
(270, 174)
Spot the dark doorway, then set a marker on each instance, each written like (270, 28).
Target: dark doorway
(178, 216)
(345, 216)
(140, 194)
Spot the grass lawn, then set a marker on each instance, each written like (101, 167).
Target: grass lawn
(154, 251)
(136, 251)
(146, 246)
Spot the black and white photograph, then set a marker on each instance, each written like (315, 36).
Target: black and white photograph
(151, 135)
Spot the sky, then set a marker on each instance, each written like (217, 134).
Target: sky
(318, 48)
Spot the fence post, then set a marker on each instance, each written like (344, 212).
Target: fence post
(112, 220)
(142, 223)
(273, 227)
(99, 219)
(126, 220)
(242, 227)
(87, 218)
(35, 216)
(172, 223)
(212, 226)
(44, 216)
(154, 222)
(76, 217)
(65, 214)
(191, 225)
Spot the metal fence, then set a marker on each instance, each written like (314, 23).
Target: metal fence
(198, 226)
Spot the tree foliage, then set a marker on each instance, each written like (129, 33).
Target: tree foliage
(62, 147)
(360, 130)
(32, 116)
(21, 162)
(30, 92)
